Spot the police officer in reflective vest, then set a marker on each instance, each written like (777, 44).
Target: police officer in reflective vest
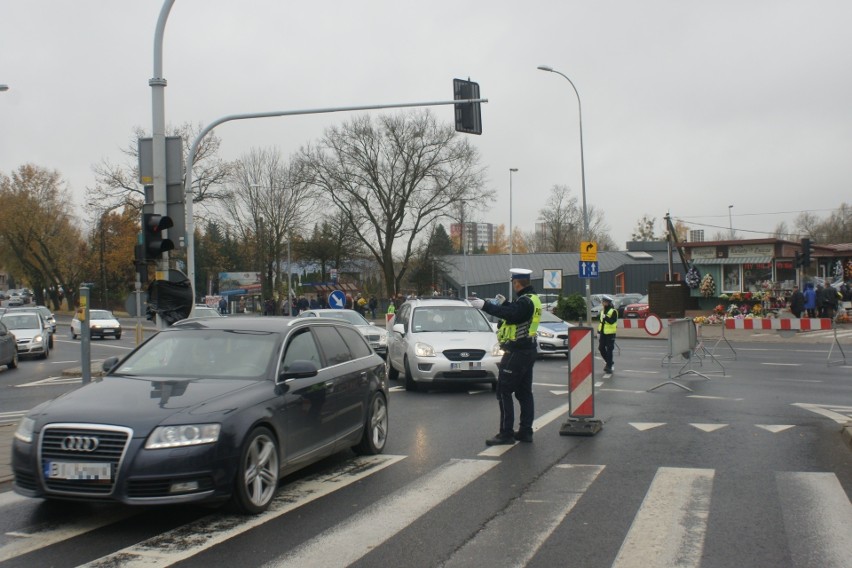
(606, 329)
(516, 334)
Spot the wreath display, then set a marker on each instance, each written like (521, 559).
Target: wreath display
(708, 286)
(693, 278)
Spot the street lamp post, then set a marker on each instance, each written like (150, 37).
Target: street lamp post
(731, 221)
(586, 234)
(511, 240)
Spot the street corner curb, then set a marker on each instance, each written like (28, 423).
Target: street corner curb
(846, 434)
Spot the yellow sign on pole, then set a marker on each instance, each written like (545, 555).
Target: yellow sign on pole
(589, 251)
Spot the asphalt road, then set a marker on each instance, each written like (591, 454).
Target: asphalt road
(748, 469)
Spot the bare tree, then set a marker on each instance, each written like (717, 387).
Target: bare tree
(644, 230)
(270, 204)
(393, 177)
(562, 221)
(117, 185)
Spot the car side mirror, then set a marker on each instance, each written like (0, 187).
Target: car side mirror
(398, 328)
(300, 369)
(109, 364)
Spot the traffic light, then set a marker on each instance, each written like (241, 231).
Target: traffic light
(806, 252)
(152, 234)
(468, 116)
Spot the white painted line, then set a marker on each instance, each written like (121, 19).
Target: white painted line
(530, 519)
(624, 390)
(709, 427)
(559, 393)
(561, 385)
(188, 540)
(538, 423)
(671, 524)
(396, 389)
(824, 410)
(352, 539)
(640, 372)
(52, 381)
(642, 426)
(799, 380)
(51, 532)
(783, 364)
(775, 428)
(713, 397)
(817, 516)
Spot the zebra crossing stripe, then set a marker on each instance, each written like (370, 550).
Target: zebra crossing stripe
(817, 516)
(671, 524)
(352, 539)
(188, 540)
(530, 519)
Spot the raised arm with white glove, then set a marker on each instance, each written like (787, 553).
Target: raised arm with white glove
(477, 303)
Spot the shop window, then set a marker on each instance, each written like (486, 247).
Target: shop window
(785, 274)
(731, 278)
(757, 276)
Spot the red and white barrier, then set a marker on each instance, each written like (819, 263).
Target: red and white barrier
(581, 384)
(802, 324)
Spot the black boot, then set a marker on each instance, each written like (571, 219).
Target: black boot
(524, 435)
(500, 439)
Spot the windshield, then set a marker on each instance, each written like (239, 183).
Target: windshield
(21, 321)
(548, 317)
(100, 315)
(203, 353)
(449, 318)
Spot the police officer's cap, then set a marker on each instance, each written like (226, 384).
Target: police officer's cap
(520, 273)
(606, 298)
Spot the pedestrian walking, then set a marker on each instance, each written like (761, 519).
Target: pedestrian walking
(373, 304)
(810, 299)
(516, 334)
(797, 302)
(606, 332)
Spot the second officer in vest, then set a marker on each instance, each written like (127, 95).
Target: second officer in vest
(517, 338)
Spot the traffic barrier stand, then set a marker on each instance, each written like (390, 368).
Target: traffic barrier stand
(836, 362)
(733, 356)
(683, 340)
(581, 385)
(793, 324)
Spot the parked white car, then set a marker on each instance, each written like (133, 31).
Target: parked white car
(376, 336)
(102, 324)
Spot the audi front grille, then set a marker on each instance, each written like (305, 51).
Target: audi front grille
(82, 445)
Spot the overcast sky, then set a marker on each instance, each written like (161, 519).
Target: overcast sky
(688, 107)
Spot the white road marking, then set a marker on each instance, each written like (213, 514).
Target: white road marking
(708, 427)
(775, 428)
(828, 410)
(817, 516)
(636, 371)
(624, 390)
(642, 426)
(783, 364)
(558, 393)
(671, 524)
(561, 385)
(188, 540)
(541, 421)
(530, 520)
(49, 381)
(355, 537)
(713, 397)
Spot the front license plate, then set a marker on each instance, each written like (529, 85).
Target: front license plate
(468, 365)
(78, 471)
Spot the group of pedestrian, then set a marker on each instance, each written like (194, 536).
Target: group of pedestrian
(821, 301)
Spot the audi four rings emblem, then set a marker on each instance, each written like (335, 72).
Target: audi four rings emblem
(79, 443)
(464, 354)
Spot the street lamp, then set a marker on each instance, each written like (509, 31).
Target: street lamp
(731, 221)
(511, 240)
(586, 234)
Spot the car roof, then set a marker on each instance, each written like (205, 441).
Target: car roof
(417, 302)
(268, 323)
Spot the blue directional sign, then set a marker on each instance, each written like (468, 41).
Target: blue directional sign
(337, 300)
(588, 269)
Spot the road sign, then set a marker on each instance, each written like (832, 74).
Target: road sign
(552, 279)
(588, 269)
(589, 251)
(337, 300)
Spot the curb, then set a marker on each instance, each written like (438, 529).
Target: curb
(846, 434)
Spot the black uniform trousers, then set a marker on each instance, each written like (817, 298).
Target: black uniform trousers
(516, 375)
(606, 345)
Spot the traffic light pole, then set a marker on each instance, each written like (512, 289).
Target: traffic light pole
(188, 191)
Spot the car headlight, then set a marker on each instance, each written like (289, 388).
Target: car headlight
(542, 333)
(25, 430)
(183, 435)
(496, 351)
(383, 339)
(424, 350)
(38, 338)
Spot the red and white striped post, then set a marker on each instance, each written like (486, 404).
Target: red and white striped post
(581, 385)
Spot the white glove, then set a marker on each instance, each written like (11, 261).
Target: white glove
(477, 303)
(499, 299)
